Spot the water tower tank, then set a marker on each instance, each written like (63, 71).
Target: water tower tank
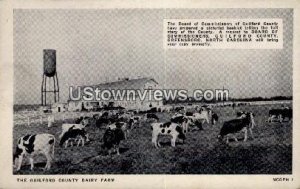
(49, 62)
(49, 72)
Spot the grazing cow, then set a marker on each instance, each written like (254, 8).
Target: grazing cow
(112, 139)
(241, 114)
(169, 128)
(108, 119)
(121, 125)
(31, 145)
(203, 116)
(189, 113)
(187, 120)
(179, 109)
(126, 116)
(182, 120)
(74, 133)
(205, 108)
(178, 118)
(135, 120)
(66, 126)
(166, 109)
(83, 120)
(151, 116)
(104, 115)
(280, 114)
(105, 120)
(236, 125)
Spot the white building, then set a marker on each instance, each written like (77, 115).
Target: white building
(58, 107)
(140, 84)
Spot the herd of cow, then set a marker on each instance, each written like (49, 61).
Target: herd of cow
(117, 125)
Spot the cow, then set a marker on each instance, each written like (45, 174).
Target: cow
(188, 120)
(177, 118)
(280, 114)
(151, 116)
(121, 125)
(31, 145)
(166, 109)
(236, 125)
(189, 113)
(83, 120)
(168, 128)
(103, 120)
(74, 133)
(179, 109)
(135, 120)
(104, 115)
(107, 118)
(207, 109)
(112, 138)
(126, 116)
(66, 126)
(241, 114)
(203, 116)
(182, 120)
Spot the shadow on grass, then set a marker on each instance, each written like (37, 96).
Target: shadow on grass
(223, 159)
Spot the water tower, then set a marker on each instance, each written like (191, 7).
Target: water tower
(49, 73)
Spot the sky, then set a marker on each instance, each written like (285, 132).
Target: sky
(96, 46)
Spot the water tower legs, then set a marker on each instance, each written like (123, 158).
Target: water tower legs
(44, 90)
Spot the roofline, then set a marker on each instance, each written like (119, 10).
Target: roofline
(94, 85)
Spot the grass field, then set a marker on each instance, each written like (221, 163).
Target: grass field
(270, 152)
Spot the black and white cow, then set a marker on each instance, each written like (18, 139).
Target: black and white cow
(169, 128)
(179, 109)
(280, 114)
(151, 116)
(66, 126)
(107, 118)
(183, 121)
(189, 113)
(188, 120)
(241, 114)
(120, 125)
(112, 139)
(236, 125)
(126, 116)
(83, 120)
(74, 134)
(31, 145)
(134, 121)
(202, 116)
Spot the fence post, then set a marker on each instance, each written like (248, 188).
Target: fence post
(28, 121)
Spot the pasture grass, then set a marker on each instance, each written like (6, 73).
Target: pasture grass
(270, 152)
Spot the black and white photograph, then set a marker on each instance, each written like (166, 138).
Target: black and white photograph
(108, 91)
(137, 94)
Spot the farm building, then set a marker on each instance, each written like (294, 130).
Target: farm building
(139, 84)
(58, 107)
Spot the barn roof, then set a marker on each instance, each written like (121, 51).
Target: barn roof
(124, 84)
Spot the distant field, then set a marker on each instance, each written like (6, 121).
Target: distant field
(270, 152)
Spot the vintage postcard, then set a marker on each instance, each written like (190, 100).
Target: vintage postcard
(156, 95)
